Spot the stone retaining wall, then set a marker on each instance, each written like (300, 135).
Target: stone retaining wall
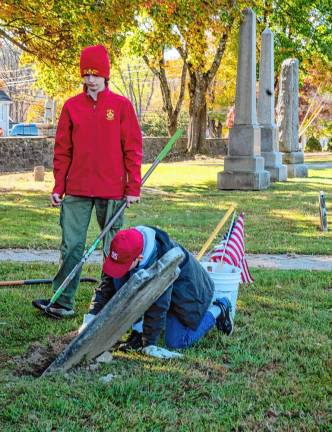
(153, 145)
(24, 153)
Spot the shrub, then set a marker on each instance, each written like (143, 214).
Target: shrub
(155, 124)
(329, 145)
(313, 145)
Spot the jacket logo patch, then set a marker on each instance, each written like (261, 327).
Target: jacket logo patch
(110, 114)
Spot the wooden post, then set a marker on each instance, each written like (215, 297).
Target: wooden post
(215, 232)
(117, 316)
(322, 212)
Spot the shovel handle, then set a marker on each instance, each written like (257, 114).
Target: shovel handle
(215, 232)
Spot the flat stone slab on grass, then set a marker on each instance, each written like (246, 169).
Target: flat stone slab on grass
(117, 316)
(50, 256)
(291, 262)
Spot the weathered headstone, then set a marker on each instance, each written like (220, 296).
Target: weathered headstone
(269, 145)
(39, 173)
(288, 119)
(322, 212)
(128, 305)
(244, 166)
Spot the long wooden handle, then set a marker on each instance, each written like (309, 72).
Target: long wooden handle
(215, 232)
(9, 283)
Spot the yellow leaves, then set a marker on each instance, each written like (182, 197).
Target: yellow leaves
(195, 26)
(35, 113)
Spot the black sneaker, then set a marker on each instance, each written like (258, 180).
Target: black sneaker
(133, 343)
(224, 320)
(56, 310)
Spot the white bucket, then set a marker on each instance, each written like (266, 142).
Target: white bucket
(226, 281)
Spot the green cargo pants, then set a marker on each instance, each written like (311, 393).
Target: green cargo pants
(75, 215)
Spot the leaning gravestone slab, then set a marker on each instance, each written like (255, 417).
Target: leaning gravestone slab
(117, 316)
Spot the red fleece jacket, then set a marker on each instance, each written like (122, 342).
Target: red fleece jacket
(98, 147)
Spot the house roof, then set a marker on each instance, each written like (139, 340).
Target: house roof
(4, 97)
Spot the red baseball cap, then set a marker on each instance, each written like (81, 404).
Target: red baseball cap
(95, 61)
(126, 246)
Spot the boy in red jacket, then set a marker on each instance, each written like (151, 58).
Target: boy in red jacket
(97, 163)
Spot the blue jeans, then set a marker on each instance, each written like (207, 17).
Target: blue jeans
(179, 336)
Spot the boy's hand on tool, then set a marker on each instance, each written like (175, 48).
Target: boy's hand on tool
(131, 199)
(56, 199)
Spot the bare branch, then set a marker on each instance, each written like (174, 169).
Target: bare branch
(15, 42)
(153, 69)
(124, 83)
(217, 58)
(182, 89)
(151, 93)
(117, 87)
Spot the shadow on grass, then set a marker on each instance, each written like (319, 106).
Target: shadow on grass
(283, 218)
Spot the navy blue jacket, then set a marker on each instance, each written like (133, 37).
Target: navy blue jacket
(188, 298)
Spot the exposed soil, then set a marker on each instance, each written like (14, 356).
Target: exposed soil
(38, 357)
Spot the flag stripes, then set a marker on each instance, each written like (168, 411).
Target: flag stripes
(232, 252)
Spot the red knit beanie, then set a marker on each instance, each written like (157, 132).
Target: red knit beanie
(95, 61)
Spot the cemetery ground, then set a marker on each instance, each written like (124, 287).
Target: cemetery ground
(273, 373)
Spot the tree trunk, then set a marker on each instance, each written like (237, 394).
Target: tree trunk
(197, 131)
(197, 113)
(172, 112)
(198, 87)
(172, 123)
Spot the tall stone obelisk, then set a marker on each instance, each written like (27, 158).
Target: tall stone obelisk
(244, 166)
(269, 145)
(288, 119)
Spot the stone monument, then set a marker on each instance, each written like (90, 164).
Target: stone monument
(244, 166)
(288, 119)
(269, 145)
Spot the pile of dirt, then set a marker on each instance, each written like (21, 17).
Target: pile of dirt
(38, 357)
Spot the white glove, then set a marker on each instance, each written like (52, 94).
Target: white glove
(161, 353)
(87, 318)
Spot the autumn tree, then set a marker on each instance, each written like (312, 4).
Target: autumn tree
(199, 32)
(302, 28)
(53, 33)
(171, 108)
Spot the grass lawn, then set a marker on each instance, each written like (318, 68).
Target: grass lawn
(272, 374)
(182, 198)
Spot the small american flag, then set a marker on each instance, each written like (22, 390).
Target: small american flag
(234, 254)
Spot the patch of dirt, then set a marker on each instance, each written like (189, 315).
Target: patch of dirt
(4, 358)
(38, 357)
(211, 371)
